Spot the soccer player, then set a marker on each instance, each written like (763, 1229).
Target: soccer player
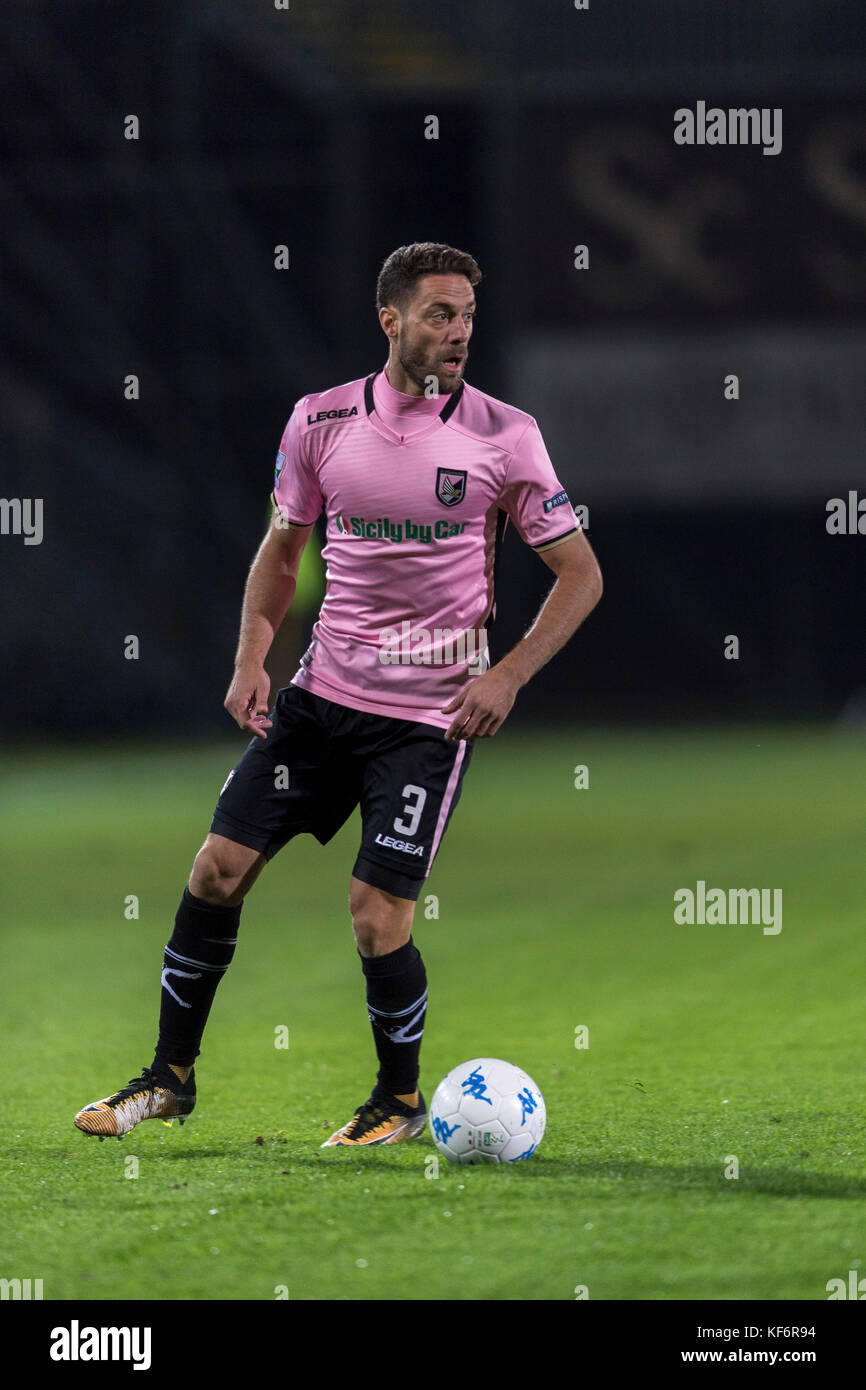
(417, 473)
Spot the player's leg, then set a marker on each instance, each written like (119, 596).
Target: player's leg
(411, 785)
(201, 947)
(197, 956)
(381, 922)
(396, 985)
(255, 815)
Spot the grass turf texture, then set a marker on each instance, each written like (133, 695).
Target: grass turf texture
(555, 910)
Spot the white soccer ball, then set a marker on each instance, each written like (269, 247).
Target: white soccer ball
(487, 1111)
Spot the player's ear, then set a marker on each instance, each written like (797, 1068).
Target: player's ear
(390, 321)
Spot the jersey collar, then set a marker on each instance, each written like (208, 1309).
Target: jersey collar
(445, 413)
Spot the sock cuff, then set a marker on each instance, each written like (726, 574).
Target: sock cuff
(201, 906)
(204, 936)
(198, 917)
(394, 963)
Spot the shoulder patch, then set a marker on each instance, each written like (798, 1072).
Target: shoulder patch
(556, 501)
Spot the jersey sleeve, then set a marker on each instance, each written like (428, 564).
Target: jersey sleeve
(297, 495)
(533, 496)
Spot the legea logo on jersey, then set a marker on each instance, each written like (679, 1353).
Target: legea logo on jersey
(344, 414)
(384, 529)
(404, 846)
(439, 646)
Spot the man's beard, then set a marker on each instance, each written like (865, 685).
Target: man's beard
(418, 369)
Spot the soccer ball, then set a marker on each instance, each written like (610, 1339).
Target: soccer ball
(487, 1111)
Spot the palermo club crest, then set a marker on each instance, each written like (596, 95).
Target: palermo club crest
(450, 486)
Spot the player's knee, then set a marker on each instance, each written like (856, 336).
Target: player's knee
(369, 936)
(373, 939)
(216, 878)
(380, 924)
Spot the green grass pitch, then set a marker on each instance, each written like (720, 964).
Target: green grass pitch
(707, 1043)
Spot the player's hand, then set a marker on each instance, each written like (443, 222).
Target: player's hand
(482, 706)
(247, 699)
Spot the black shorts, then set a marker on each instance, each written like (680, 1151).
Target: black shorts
(320, 760)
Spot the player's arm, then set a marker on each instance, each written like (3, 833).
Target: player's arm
(269, 591)
(483, 704)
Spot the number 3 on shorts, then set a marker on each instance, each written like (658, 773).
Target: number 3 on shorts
(413, 809)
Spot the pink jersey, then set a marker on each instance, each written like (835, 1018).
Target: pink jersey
(416, 493)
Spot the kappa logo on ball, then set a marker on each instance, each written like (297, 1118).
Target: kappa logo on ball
(487, 1111)
(450, 486)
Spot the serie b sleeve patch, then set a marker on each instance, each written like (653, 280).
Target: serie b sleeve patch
(556, 501)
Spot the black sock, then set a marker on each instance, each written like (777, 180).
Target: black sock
(397, 1004)
(196, 958)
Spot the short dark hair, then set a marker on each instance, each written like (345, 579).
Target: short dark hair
(408, 264)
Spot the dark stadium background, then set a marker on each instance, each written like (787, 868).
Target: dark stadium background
(305, 127)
